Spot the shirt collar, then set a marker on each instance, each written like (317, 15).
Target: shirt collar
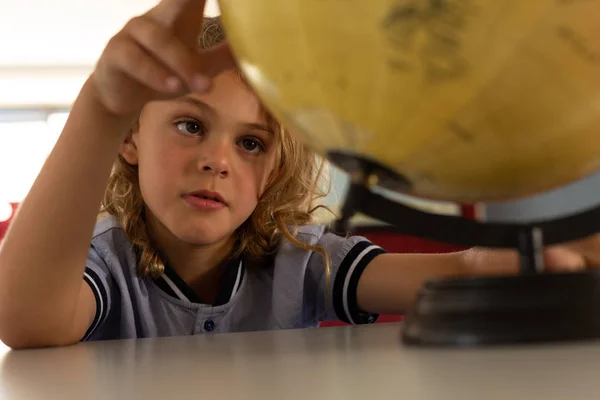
(233, 274)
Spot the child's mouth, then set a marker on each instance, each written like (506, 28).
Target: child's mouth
(206, 200)
(209, 198)
(205, 203)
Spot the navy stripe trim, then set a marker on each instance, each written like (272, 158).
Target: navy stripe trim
(181, 285)
(164, 286)
(346, 283)
(101, 297)
(228, 282)
(357, 315)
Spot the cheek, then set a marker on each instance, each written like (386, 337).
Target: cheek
(265, 174)
(250, 184)
(158, 167)
(253, 182)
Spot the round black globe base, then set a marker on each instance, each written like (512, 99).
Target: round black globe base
(535, 308)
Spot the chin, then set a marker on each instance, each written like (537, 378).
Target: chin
(203, 234)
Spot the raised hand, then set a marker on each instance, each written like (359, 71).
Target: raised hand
(156, 56)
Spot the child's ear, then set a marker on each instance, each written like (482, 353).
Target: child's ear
(129, 149)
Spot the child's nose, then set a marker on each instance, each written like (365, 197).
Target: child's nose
(216, 157)
(218, 168)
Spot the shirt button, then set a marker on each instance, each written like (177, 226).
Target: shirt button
(209, 325)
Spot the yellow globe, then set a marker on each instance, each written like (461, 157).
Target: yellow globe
(467, 100)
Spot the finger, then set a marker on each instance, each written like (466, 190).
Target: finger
(217, 59)
(557, 259)
(129, 58)
(185, 17)
(168, 50)
(589, 248)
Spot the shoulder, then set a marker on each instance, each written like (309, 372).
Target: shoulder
(309, 234)
(319, 237)
(316, 233)
(108, 232)
(106, 225)
(110, 243)
(335, 273)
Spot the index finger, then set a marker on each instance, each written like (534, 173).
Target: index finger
(184, 17)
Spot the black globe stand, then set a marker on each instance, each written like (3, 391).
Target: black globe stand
(535, 306)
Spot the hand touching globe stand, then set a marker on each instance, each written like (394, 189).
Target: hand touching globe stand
(457, 100)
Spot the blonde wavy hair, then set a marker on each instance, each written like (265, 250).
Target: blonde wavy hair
(289, 200)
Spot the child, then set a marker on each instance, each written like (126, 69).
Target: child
(207, 222)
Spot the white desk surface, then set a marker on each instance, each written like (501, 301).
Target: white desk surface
(365, 363)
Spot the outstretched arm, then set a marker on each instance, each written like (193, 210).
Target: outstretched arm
(391, 282)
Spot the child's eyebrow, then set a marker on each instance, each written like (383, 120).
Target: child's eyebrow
(258, 127)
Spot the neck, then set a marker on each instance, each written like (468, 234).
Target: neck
(197, 265)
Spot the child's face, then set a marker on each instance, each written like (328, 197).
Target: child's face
(217, 142)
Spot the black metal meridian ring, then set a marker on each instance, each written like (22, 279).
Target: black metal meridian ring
(460, 231)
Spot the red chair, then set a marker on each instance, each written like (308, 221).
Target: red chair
(4, 223)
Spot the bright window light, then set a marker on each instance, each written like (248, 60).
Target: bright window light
(6, 211)
(24, 147)
(38, 91)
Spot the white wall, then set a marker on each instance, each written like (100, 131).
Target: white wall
(49, 47)
(63, 32)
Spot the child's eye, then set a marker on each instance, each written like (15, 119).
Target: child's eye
(251, 145)
(190, 127)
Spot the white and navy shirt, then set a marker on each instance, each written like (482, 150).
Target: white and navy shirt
(290, 291)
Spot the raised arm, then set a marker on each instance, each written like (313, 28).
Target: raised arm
(43, 298)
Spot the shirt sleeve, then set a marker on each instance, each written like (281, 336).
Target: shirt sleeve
(348, 259)
(97, 275)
